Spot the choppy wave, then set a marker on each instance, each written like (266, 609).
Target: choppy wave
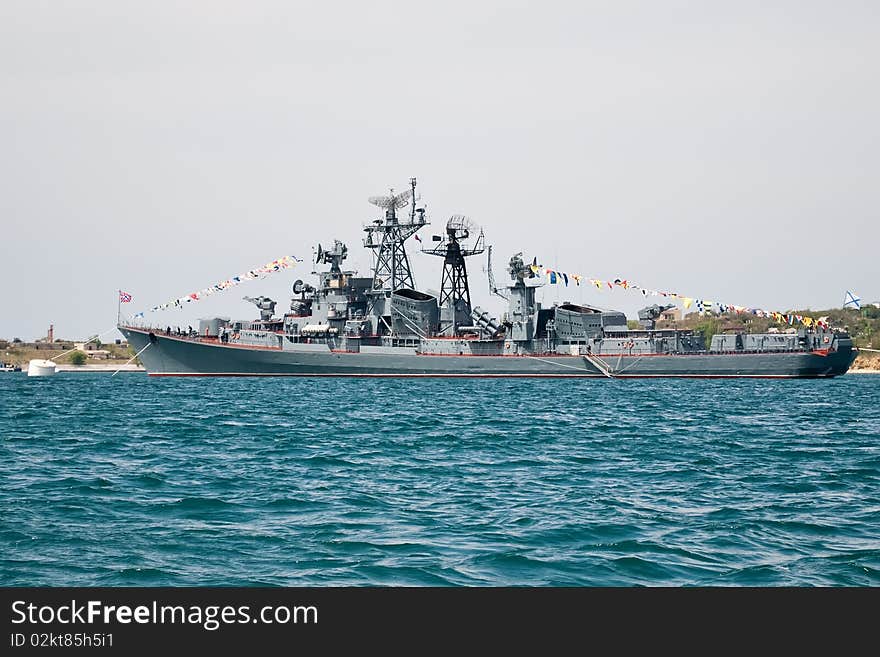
(134, 481)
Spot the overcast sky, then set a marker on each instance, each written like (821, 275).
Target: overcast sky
(726, 150)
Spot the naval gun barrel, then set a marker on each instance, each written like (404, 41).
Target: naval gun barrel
(648, 316)
(265, 304)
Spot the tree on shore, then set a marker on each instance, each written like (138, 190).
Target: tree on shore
(709, 327)
(77, 358)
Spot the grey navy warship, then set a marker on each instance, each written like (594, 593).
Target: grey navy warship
(382, 325)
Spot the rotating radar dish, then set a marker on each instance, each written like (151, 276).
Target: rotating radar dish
(393, 200)
(459, 227)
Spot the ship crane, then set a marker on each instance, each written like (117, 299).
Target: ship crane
(493, 287)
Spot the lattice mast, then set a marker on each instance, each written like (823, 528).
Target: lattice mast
(458, 243)
(392, 270)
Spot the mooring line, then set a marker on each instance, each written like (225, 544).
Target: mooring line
(131, 359)
(550, 362)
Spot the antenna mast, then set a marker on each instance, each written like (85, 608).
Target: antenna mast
(455, 294)
(386, 237)
(392, 270)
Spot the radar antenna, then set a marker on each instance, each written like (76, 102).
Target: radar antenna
(333, 257)
(463, 238)
(392, 201)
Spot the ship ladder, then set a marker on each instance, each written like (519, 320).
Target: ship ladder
(599, 364)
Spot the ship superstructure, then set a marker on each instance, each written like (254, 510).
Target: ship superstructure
(382, 325)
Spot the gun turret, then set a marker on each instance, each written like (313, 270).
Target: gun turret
(265, 304)
(648, 316)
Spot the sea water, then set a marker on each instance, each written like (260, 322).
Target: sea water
(128, 480)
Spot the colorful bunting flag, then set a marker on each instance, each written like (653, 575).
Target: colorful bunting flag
(703, 305)
(252, 274)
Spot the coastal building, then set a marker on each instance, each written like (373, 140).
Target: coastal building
(86, 346)
(47, 346)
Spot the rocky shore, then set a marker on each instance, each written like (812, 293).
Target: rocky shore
(866, 362)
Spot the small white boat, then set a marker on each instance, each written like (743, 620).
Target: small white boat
(40, 367)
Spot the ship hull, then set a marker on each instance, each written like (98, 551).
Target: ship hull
(173, 356)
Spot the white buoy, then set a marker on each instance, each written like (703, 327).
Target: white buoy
(40, 367)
